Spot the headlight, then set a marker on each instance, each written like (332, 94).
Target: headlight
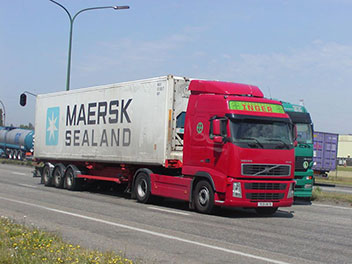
(290, 191)
(236, 190)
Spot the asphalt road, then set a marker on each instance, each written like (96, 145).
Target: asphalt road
(168, 232)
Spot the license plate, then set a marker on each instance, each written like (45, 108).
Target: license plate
(265, 204)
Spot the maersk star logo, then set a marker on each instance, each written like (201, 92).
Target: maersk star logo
(52, 126)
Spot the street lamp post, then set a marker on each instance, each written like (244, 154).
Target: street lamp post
(72, 19)
(4, 112)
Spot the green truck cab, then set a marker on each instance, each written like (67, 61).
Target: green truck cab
(303, 151)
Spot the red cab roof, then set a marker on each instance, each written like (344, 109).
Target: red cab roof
(228, 88)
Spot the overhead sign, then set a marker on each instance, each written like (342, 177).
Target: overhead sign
(256, 107)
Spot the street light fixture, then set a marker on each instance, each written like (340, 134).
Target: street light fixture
(72, 19)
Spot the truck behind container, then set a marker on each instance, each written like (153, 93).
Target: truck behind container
(304, 149)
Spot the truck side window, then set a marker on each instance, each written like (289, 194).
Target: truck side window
(180, 120)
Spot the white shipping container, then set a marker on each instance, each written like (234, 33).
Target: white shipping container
(130, 122)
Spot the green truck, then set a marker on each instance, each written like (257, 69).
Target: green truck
(303, 151)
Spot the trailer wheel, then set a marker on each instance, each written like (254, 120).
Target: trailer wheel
(46, 177)
(203, 197)
(58, 175)
(142, 188)
(71, 182)
(266, 211)
(11, 154)
(19, 155)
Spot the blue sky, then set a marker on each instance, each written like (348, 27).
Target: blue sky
(291, 49)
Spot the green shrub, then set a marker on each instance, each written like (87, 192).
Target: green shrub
(22, 245)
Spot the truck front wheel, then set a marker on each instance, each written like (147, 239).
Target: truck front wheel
(142, 188)
(204, 197)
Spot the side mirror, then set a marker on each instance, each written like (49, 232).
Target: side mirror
(216, 127)
(294, 133)
(23, 99)
(295, 143)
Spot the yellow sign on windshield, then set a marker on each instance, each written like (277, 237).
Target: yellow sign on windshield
(256, 107)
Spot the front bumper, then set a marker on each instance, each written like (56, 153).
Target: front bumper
(303, 186)
(256, 192)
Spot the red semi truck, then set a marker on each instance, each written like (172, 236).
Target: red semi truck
(209, 143)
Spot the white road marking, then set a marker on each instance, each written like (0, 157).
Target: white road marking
(27, 185)
(167, 211)
(18, 173)
(235, 252)
(332, 206)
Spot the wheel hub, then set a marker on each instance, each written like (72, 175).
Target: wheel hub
(203, 196)
(142, 188)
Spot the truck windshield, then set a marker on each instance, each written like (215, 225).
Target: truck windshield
(261, 134)
(304, 133)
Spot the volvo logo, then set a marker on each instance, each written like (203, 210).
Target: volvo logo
(266, 170)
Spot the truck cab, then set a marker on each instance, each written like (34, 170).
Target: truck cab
(304, 149)
(241, 143)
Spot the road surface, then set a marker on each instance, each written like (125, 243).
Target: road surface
(168, 232)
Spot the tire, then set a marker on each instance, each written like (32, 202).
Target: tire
(266, 211)
(71, 182)
(14, 155)
(203, 197)
(142, 188)
(19, 155)
(46, 177)
(58, 175)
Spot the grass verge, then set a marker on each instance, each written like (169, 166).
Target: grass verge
(17, 162)
(343, 168)
(335, 180)
(319, 195)
(22, 245)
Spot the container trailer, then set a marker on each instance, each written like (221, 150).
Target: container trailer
(325, 153)
(209, 143)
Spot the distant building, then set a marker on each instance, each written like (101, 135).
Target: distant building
(345, 146)
(344, 153)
